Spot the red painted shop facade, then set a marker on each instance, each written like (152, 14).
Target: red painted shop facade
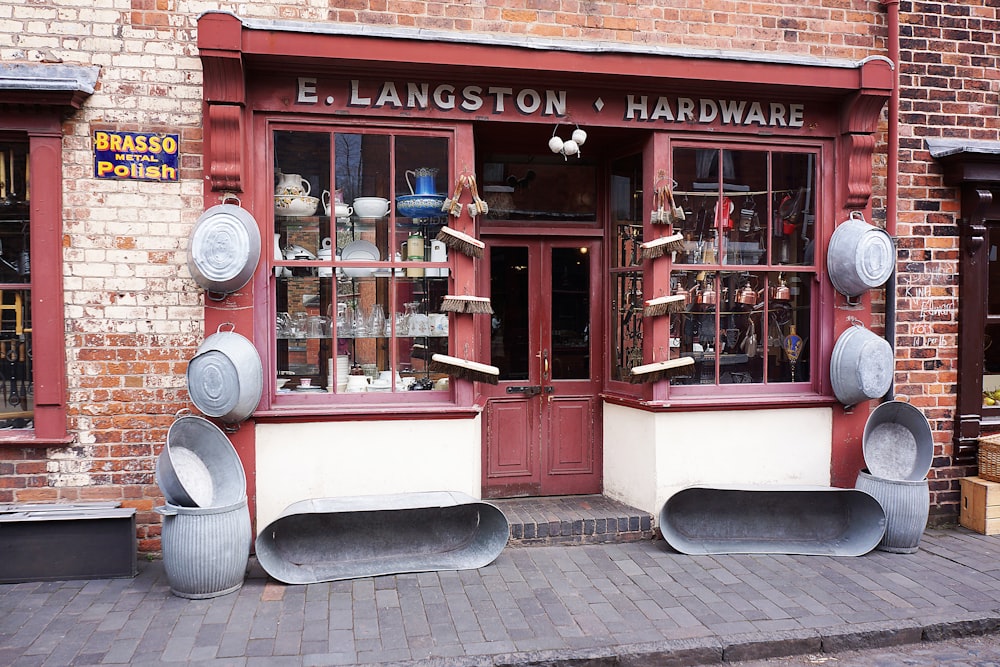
(649, 229)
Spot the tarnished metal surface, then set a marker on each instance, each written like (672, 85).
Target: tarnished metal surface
(861, 366)
(860, 256)
(805, 520)
(225, 378)
(907, 506)
(897, 442)
(199, 466)
(329, 539)
(224, 248)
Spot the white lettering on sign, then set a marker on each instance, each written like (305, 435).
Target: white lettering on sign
(707, 110)
(496, 100)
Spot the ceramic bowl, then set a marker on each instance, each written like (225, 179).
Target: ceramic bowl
(371, 207)
(295, 206)
(420, 206)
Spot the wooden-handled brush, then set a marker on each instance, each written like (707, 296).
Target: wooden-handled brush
(453, 303)
(463, 243)
(464, 369)
(660, 370)
(659, 247)
(665, 305)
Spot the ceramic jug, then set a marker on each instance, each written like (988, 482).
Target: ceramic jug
(424, 177)
(291, 184)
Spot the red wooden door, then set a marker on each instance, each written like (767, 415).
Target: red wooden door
(542, 420)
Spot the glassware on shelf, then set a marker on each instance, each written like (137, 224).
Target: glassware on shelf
(375, 324)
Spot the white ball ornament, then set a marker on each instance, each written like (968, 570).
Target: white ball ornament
(579, 136)
(570, 148)
(556, 145)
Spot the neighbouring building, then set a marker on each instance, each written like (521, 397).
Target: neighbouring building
(643, 195)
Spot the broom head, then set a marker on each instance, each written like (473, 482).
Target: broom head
(464, 369)
(466, 304)
(463, 243)
(660, 370)
(659, 247)
(665, 305)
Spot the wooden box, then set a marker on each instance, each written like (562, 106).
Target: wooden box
(980, 505)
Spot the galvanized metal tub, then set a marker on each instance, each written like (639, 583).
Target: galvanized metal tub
(329, 539)
(906, 504)
(225, 378)
(205, 549)
(199, 466)
(803, 520)
(861, 366)
(224, 248)
(860, 256)
(897, 442)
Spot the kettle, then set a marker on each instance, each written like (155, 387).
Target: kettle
(682, 291)
(707, 294)
(781, 292)
(747, 296)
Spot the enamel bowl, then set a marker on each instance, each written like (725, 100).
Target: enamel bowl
(295, 206)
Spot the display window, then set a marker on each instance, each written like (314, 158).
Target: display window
(359, 276)
(740, 276)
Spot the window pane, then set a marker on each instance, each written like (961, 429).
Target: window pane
(509, 338)
(539, 187)
(793, 208)
(16, 358)
(570, 324)
(626, 261)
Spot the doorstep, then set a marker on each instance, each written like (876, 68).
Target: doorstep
(564, 520)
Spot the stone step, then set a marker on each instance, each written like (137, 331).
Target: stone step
(591, 519)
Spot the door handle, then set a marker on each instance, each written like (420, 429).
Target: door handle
(544, 355)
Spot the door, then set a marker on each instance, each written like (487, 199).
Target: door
(542, 420)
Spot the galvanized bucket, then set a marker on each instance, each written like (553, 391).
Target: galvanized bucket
(861, 366)
(224, 248)
(897, 442)
(205, 550)
(860, 256)
(226, 378)
(330, 539)
(906, 504)
(199, 466)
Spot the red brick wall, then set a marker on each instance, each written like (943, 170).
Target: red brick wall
(134, 317)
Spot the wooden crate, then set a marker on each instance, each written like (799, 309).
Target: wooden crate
(980, 507)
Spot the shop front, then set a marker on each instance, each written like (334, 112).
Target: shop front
(525, 269)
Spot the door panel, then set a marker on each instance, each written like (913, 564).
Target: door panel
(541, 421)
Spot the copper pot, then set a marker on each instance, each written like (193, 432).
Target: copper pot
(681, 291)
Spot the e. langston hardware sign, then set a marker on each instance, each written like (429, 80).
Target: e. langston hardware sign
(552, 104)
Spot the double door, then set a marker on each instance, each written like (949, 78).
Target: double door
(542, 420)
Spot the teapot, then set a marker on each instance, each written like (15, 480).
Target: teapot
(683, 291)
(291, 184)
(298, 252)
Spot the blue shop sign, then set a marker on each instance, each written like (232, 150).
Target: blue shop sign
(136, 156)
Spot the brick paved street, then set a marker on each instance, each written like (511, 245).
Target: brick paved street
(617, 604)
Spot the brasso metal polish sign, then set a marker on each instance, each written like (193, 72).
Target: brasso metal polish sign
(485, 101)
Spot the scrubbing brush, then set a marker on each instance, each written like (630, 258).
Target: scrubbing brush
(466, 304)
(661, 370)
(665, 305)
(463, 243)
(464, 369)
(659, 247)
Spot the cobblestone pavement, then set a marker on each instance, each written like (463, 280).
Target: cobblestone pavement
(963, 652)
(625, 604)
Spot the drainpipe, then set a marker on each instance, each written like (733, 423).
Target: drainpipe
(892, 175)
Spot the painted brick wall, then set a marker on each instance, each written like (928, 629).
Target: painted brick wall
(134, 316)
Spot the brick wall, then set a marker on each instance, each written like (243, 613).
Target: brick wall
(134, 317)
(949, 87)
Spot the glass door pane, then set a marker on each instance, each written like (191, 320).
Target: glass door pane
(570, 317)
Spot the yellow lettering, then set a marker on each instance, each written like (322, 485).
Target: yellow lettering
(169, 145)
(154, 145)
(101, 141)
(104, 168)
